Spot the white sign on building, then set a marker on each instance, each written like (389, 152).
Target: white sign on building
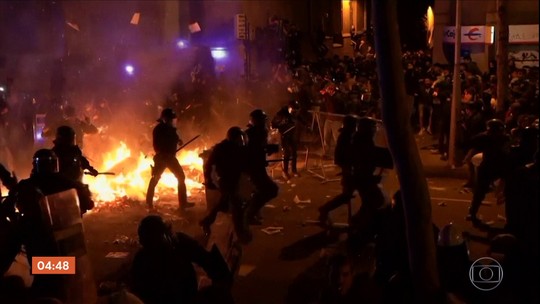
(473, 34)
(522, 34)
(240, 26)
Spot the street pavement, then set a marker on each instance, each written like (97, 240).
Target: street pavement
(288, 266)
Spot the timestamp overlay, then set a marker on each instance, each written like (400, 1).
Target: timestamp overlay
(53, 265)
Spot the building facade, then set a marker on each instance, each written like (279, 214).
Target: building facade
(479, 17)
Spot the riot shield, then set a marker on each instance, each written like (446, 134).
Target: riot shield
(61, 214)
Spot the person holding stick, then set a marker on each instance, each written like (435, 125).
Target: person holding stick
(166, 142)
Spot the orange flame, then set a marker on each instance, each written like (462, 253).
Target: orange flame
(135, 173)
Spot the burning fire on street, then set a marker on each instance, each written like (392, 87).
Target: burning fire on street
(133, 172)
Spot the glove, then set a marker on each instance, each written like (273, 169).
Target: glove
(93, 172)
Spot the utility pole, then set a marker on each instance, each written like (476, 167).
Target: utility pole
(456, 89)
(502, 55)
(402, 145)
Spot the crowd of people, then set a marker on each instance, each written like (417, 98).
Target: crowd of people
(344, 91)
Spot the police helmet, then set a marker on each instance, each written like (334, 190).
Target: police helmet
(152, 230)
(367, 125)
(450, 236)
(45, 161)
(495, 126)
(236, 134)
(65, 135)
(349, 122)
(258, 117)
(168, 114)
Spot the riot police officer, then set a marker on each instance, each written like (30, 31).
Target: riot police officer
(38, 235)
(166, 142)
(257, 149)
(344, 159)
(288, 125)
(72, 162)
(495, 146)
(367, 157)
(228, 159)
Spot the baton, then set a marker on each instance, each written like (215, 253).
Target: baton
(101, 173)
(190, 141)
(288, 130)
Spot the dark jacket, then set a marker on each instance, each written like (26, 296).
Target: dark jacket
(495, 149)
(365, 157)
(284, 121)
(256, 147)
(165, 139)
(71, 162)
(166, 275)
(343, 153)
(228, 158)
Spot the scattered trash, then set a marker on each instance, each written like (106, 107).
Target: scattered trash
(293, 185)
(297, 200)
(489, 223)
(501, 218)
(286, 208)
(245, 269)
(301, 206)
(442, 204)
(117, 255)
(123, 239)
(311, 222)
(270, 206)
(437, 188)
(328, 196)
(272, 230)
(486, 203)
(340, 225)
(464, 191)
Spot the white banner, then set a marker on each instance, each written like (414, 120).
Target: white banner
(523, 33)
(470, 34)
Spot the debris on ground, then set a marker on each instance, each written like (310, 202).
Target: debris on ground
(297, 200)
(501, 218)
(286, 208)
(442, 204)
(272, 230)
(270, 206)
(117, 255)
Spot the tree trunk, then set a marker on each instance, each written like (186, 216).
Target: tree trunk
(502, 56)
(414, 188)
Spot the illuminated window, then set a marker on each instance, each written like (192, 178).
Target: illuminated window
(353, 16)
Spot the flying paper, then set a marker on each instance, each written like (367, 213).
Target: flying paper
(135, 18)
(73, 26)
(194, 28)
